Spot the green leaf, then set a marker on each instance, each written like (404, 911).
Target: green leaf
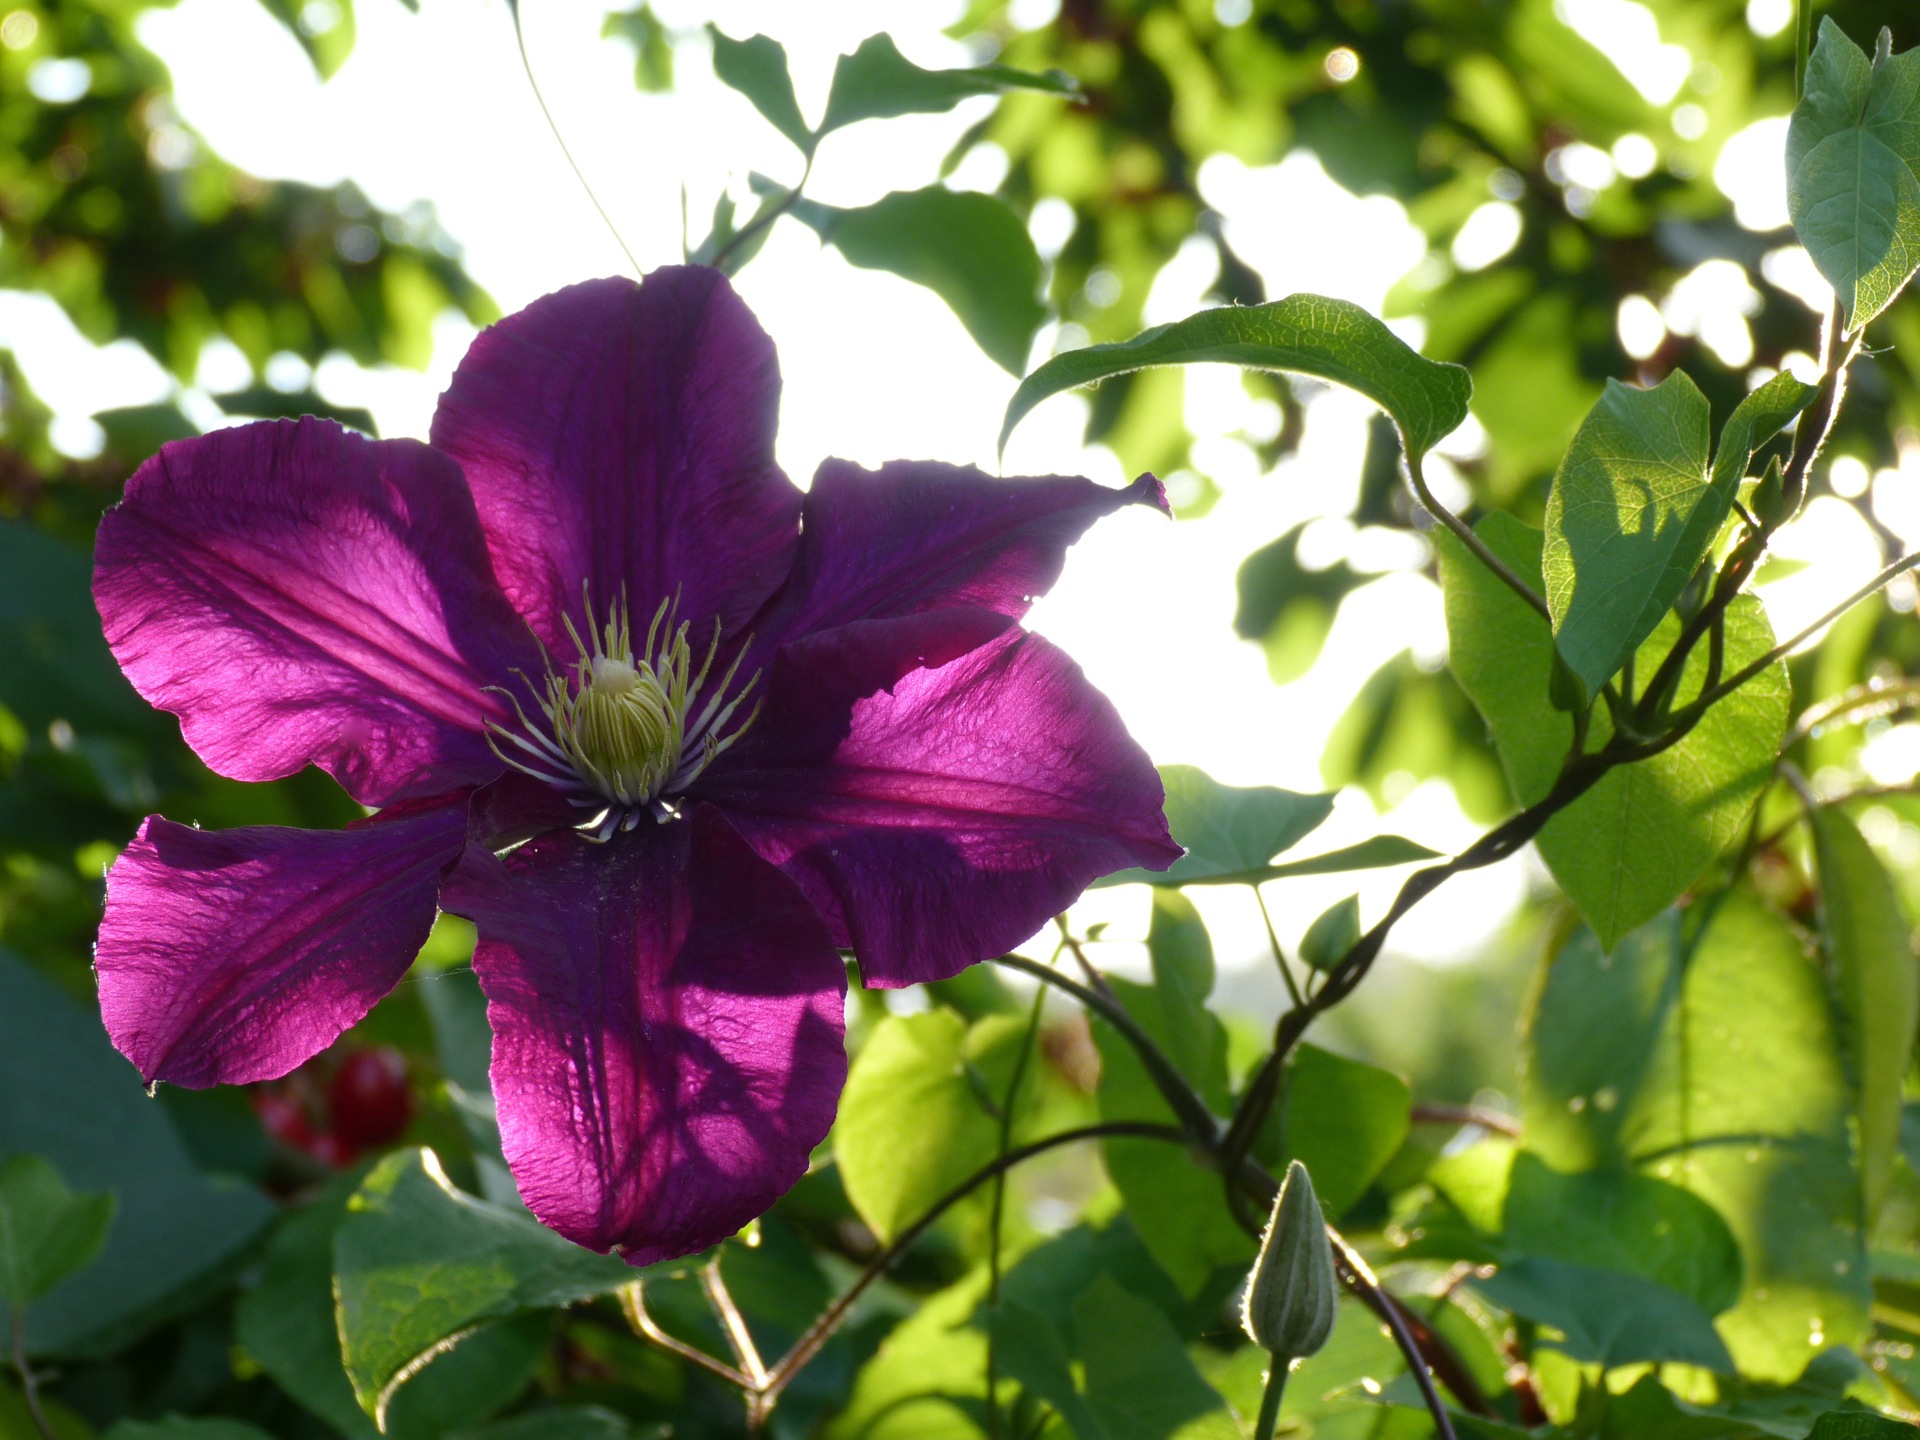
(1343, 1119)
(1761, 415)
(1178, 1207)
(1140, 1383)
(179, 1427)
(652, 46)
(70, 1098)
(1868, 943)
(757, 68)
(1377, 852)
(46, 1231)
(1308, 334)
(1332, 935)
(911, 1123)
(925, 1377)
(1701, 1051)
(559, 1422)
(1289, 608)
(1606, 1317)
(1860, 1424)
(1182, 957)
(970, 249)
(1853, 171)
(1229, 831)
(1629, 519)
(1646, 831)
(877, 82)
(1619, 1220)
(1033, 1352)
(418, 1265)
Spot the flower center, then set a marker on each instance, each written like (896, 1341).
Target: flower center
(621, 734)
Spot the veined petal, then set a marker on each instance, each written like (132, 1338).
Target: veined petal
(228, 956)
(299, 594)
(917, 535)
(622, 435)
(668, 1030)
(939, 815)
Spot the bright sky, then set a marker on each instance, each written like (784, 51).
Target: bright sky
(434, 106)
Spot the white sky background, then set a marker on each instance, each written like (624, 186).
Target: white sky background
(434, 106)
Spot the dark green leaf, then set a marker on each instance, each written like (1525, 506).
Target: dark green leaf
(1868, 942)
(1140, 1384)
(1035, 1355)
(1629, 519)
(1860, 1424)
(1309, 334)
(911, 1123)
(1647, 831)
(561, 1422)
(266, 403)
(877, 81)
(1289, 608)
(417, 1264)
(969, 249)
(757, 68)
(1377, 852)
(1606, 1317)
(65, 1095)
(46, 1231)
(178, 1427)
(1701, 1051)
(1853, 171)
(1182, 957)
(1229, 831)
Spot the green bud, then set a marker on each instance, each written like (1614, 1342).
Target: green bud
(1329, 938)
(1290, 1297)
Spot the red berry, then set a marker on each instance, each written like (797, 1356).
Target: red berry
(283, 1117)
(368, 1100)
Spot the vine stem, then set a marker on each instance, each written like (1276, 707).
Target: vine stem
(995, 1218)
(1270, 1399)
(1464, 533)
(29, 1382)
(520, 39)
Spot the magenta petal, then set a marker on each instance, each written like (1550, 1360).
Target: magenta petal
(668, 1021)
(916, 535)
(943, 820)
(296, 593)
(622, 435)
(233, 955)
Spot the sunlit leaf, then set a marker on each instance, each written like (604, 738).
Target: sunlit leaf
(1646, 831)
(1607, 1317)
(1629, 519)
(1761, 415)
(876, 81)
(757, 68)
(969, 249)
(1229, 831)
(1853, 171)
(1343, 1119)
(1868, 942)
(1308, 334)
(1702, 1051)
(418, 1264)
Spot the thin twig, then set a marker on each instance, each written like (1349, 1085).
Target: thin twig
(1374, 1295)
(633, 1305)
(996, 1216)
(520, 39)
(29, 1382)
(1273, 942)
(762, 218)
(1852, 707)
(1464, 533)
(1087, 967)
(1491, 1120)
(734, 1323)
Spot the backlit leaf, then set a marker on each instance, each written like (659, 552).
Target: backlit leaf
(876, 81)
(46, 1231)
(1629, 519)
(757, 68)
(1607, 1317)
(1308, 334)
(1853, 171)
(1229, 831)
(1879, 983)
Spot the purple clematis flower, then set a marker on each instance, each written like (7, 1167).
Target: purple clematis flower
(668, 730)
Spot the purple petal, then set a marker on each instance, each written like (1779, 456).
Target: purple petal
(296, 593)
(916, 535)
(622, 435)
(668, 1030)
(234, 955)
(940, 815)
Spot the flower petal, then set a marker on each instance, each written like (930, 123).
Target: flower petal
(296, 593)
(622, 435)
(668, 1030)
(917, 535)
(939, 817)
(233, 955)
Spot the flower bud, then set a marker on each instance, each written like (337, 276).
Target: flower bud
(1290, 1297)
(1769, 499)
